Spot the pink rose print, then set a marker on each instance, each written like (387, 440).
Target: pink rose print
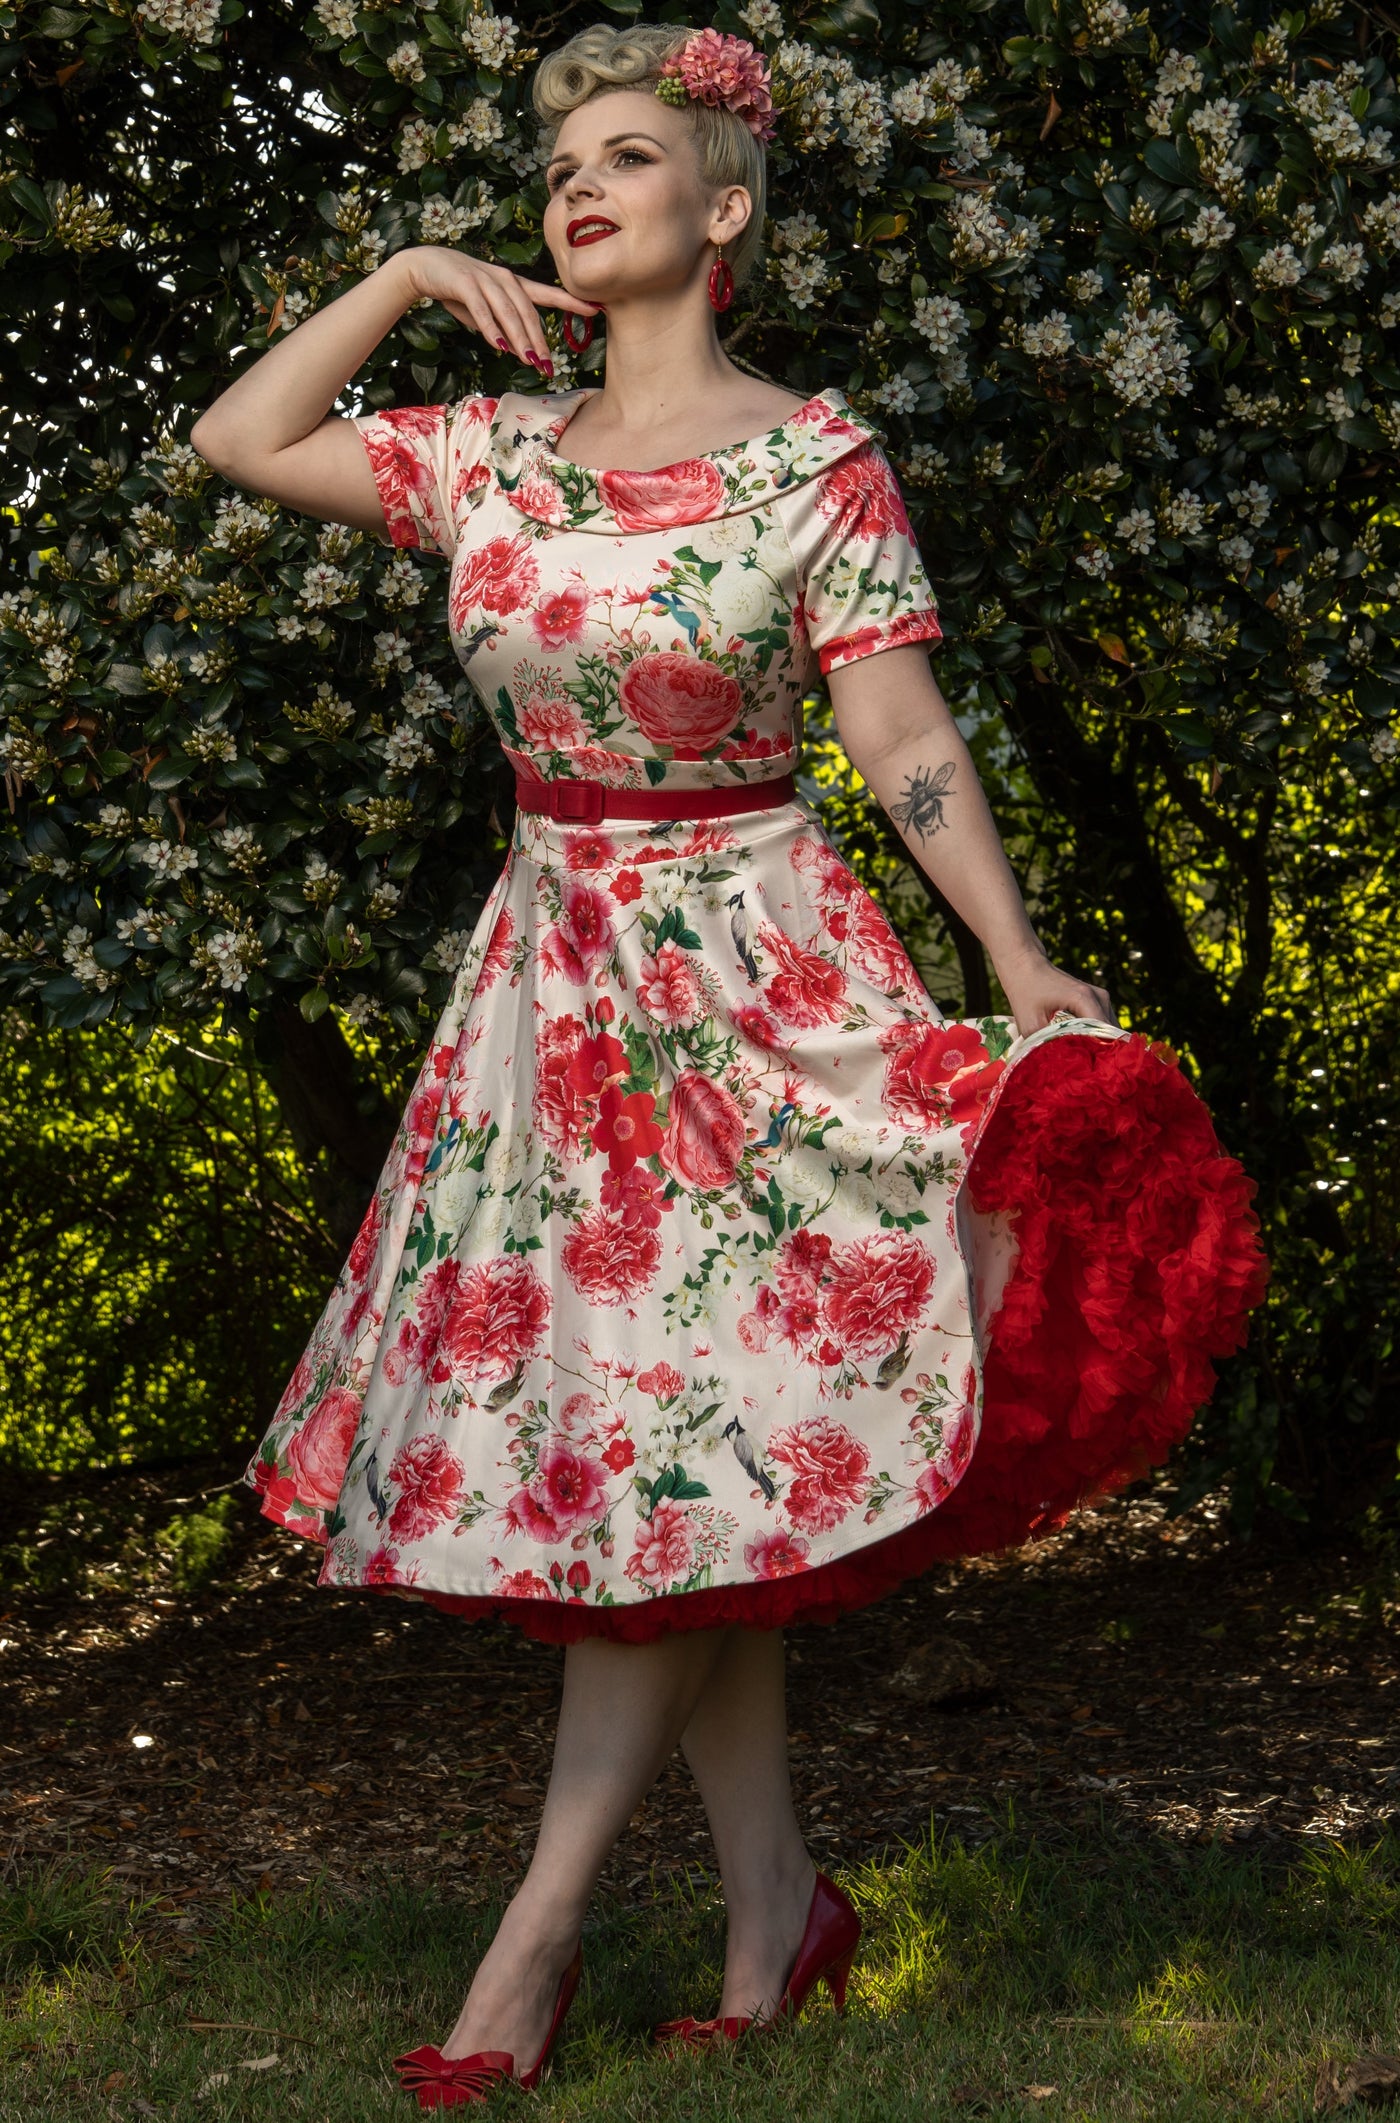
(499, 1313)
(498, 951)
(680, 702)
(662, 1379)
(421, 1122)
(429, 1480)
(861, 493)
(560, 1105)
(664, 1546)
(583, 937)
(609, 1261)
(298, 1385)
(759, 1028)
(560, 616)
(432, 1301)
(668, 987)
(566, 1491)
(590, 849)
(541, 498)
(883, 634)
(500, 576)
(874, 1289)
(830, 1469)
(876, 952)
(402, 470)
(382, 1566)
(549, 723)
(704, 1137)
(317, 1452)
(686, 492)
(808, 989)
(776, 1555)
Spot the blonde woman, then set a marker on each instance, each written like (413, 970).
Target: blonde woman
(715, 1280)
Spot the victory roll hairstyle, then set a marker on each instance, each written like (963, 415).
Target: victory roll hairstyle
(603, 58)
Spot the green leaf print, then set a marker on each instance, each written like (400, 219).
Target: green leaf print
(675, 1482)
(705, 569)
(505, 717)
(426, 1241)
(996, 1035)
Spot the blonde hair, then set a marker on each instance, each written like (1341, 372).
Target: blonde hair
(603, 58)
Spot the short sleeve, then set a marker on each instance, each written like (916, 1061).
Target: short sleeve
(429, 465)
(863, 584)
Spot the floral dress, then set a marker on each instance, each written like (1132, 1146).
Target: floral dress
(713, 1274)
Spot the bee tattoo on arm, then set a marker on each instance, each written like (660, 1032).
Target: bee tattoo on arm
(922, 804)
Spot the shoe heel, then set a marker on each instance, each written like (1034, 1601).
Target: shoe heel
(835, 1977)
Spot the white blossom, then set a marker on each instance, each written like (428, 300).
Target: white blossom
(1047, 336)
(1279, 267)
(941, 320)
(1252, 502)
(490, 38)
(1211, 230)
(1137, 530)
(405, 62)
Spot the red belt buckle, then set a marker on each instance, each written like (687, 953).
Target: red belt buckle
(577, 800)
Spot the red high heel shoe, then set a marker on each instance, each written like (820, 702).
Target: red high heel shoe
(825, 1955)
(448, 2082)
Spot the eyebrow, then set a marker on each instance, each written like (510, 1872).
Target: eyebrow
(614, 140)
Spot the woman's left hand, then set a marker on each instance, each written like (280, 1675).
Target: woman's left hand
(1035, 990)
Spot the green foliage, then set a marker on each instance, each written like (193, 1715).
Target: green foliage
(160, 1257)
(1122, 286)
(197, 1542)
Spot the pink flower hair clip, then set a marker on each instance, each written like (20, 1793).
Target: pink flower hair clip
(716, 68)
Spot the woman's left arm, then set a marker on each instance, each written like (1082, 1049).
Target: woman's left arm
(899, 734)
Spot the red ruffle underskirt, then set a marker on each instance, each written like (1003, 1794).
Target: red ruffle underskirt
(1139, 1261)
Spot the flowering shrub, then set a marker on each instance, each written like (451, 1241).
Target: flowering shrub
(1120, 302)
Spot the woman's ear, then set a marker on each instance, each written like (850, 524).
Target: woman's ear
(733, 214)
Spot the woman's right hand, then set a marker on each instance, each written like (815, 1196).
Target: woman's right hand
(492, 300)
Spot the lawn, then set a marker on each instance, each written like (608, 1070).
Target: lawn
(1110, 1977)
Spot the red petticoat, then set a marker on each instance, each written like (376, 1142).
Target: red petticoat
(1138, 1261)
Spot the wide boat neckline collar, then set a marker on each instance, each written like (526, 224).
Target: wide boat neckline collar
(735, 479)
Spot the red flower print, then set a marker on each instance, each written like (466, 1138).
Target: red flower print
(401, 470)
(560, 615)
(635, 1194)
(862, 494)
(830, 1468)
(569, 1487)
(498, 1317)
(420, 1123)
(559, 1106)
(432, 1301)
(619, 1455)
(578, 1577)
(668, 987)
(884, 634)
(519, 1584)
(662, 1379)
(588, 850)
(624, 1127)
(298, 1385)
(807, 989)
(366, 1241)
(680, 702)
(686, 492)
(704, 1137)
(875, 951)
(584, 935)
(627, 886)
(429, 1480)
(664, 1546)
(382, 1566)
(599, 1060)
(922, 1059)
(596, 763)
(319, 1448)
(710, 836)
(609, 1261)
(280, 1499)
(500, 576)
(874, 1289)
(776, 1555)
(498, 951)
(759, 1028)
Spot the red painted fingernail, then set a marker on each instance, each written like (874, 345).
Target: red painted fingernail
(504, 345)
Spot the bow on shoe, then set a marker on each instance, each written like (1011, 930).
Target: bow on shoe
(449, 2082)
(691, 2033)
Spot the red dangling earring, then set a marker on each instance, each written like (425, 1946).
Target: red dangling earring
(721, 282)
(578, 345)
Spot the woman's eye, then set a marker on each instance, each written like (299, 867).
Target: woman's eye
(558, 177)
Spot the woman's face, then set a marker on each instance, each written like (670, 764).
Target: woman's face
(628, 211)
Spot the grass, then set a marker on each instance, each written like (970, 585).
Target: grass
(1100, 1979)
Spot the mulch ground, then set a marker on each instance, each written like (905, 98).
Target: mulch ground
(1158, 1676)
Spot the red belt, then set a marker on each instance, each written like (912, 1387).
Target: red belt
(582, 802)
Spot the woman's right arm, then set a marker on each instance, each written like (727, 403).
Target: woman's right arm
(273, 432)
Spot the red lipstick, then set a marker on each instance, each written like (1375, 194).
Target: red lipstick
(596, 228)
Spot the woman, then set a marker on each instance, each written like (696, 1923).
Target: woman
(671, 1318)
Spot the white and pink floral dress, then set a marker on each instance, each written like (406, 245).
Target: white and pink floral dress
(714, 1275)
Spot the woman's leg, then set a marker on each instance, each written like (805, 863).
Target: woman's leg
(623, 1709)
(737, 1748)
